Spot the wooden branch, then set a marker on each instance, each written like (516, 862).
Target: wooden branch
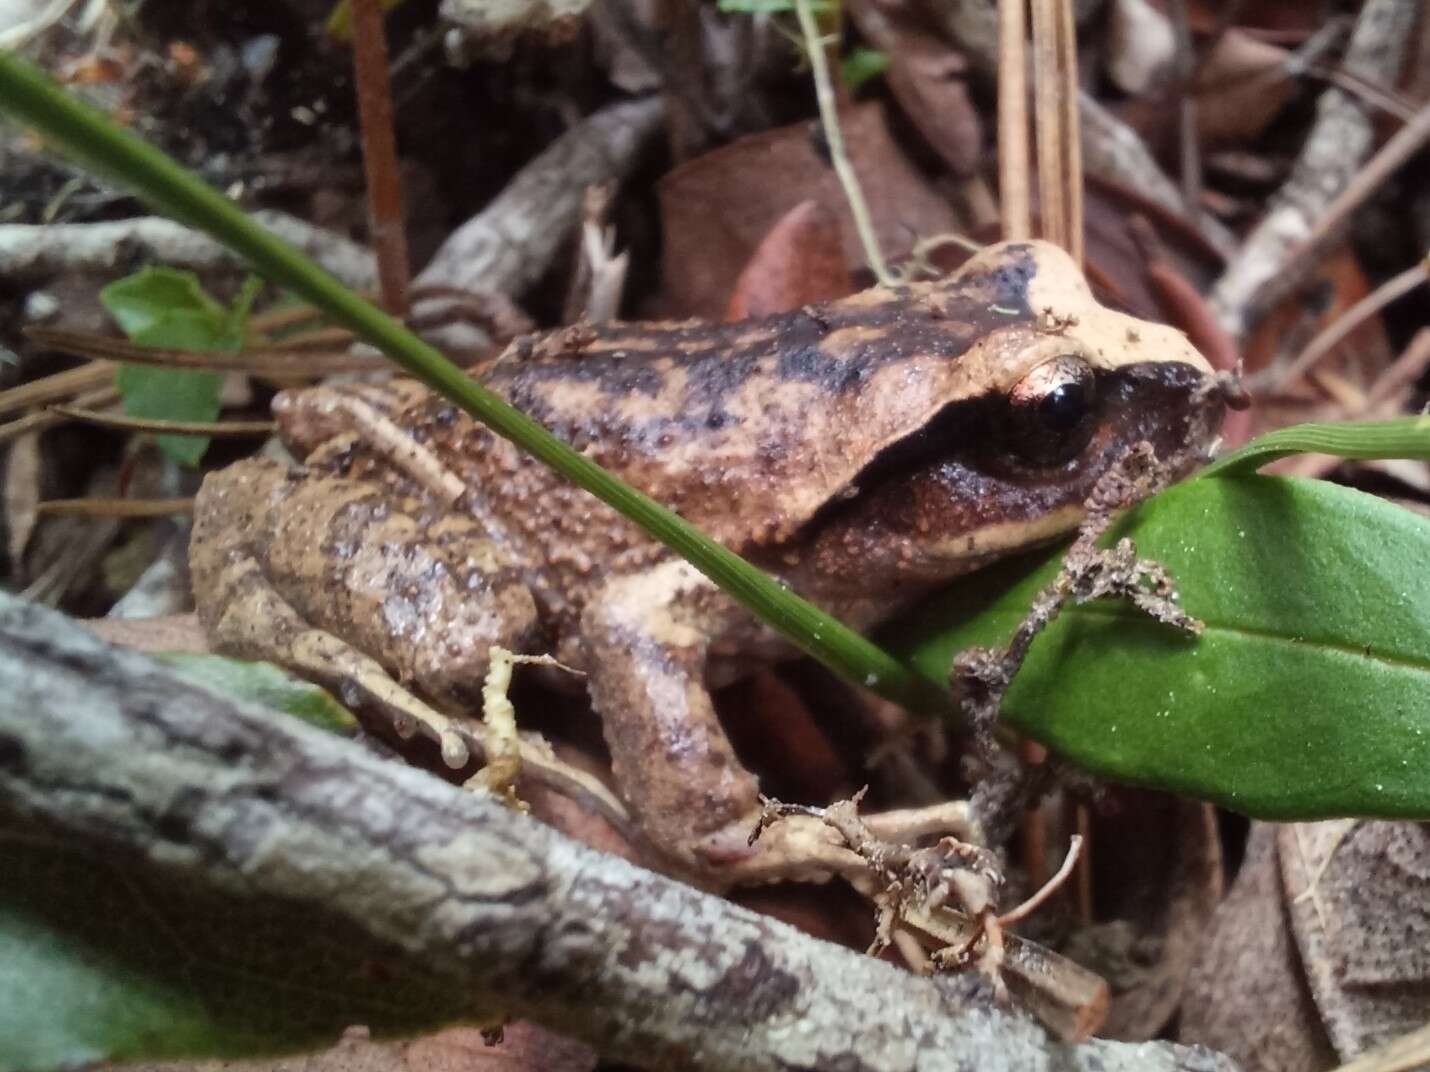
(34, 251)
(511, 243)
(112, 752)
(1339, 142)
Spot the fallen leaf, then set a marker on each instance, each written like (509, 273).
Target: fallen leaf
(800, 261)
(718, 208)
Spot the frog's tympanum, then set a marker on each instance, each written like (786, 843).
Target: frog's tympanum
(862, 450)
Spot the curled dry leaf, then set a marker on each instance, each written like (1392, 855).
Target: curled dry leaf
(1322, 952)
(22, 497)
(800, 261)
(717, 208)
(929, 79)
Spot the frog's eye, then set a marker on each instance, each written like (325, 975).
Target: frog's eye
(1050, 411)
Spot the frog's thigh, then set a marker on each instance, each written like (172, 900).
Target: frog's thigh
(646, 654)
(424, 593)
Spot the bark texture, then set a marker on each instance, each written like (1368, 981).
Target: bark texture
(1339, 142)
(36, 251)
(111, 750)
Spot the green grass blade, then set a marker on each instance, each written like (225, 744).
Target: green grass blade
(1403, 437)
(90, 137)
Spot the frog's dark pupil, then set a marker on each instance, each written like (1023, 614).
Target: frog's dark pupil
(1063, 407)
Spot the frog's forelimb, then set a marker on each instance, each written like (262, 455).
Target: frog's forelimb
(981, 676)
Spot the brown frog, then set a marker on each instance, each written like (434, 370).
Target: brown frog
(863, 451)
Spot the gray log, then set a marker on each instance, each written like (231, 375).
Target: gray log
(108, 747)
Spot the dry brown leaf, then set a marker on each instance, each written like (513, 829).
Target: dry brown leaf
(1140, 45)
(1245, 995)
(1242, 86)
(800, 261)
(1358, 896)
(717, 208)
(929, 79)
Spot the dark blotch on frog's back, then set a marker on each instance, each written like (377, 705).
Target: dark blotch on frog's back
(715, 360)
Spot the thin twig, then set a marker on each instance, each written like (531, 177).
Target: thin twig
(379, 154)
(1339, 140)
(56, 387)
(163, 427)
(1405, 143)
(1186, 63)
(1055, 122)
(40, 419)
(1336, 332)
(95, 507)
(1033, 903)
(1047, 86)
(1013, 163)
(267, 362)
(451, 889)
(829, 118)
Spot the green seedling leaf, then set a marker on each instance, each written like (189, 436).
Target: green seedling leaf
(1403, 437)
(100, 963)
(267, 685)
(772, 7)
(860, 65)
(1307, 696)
(165, 307)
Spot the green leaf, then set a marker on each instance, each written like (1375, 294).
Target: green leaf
(166, 307)
(1403, 437)
(266, 685)
(1307, 696)
(772, 7)
(99, 962)
(861, 64)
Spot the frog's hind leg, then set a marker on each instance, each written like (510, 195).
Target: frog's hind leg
(646, 646)
(255, 518)
(418, 589)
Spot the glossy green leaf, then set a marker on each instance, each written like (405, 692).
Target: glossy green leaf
(99, 963)
(166, 307)
(1307, 696)
(267, 685)
(861, 64)
(1403, 437)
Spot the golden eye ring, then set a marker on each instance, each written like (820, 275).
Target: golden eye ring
(1051, 410)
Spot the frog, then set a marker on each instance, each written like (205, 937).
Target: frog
(864, 451)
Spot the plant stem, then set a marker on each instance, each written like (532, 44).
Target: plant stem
(834, 138)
